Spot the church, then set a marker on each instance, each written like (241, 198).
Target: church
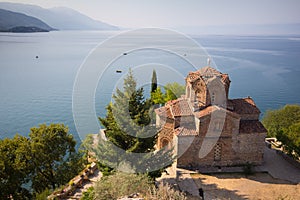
(206, 128)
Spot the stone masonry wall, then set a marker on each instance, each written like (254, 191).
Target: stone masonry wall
(235, 148)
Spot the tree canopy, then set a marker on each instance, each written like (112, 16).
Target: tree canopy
(47, 159)
(172, 91)
(277, 120)
(128, 129)
(290, 137)
(54, 157)
(284, 124)
(14, 167)
(127, 119)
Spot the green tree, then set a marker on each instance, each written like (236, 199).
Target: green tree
(284, 124)
(113, 131)
(128, 131)
(277, 120)
(53, 156)
(14, 168)
(173, 91)
(290, 137)
(157, 96)
(45, 160)
(127, 119)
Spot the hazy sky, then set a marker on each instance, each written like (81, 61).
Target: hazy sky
(172, 13)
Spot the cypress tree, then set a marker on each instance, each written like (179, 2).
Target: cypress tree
(154, 81)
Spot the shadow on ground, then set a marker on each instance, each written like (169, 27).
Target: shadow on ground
(262, 177)
(211, 191)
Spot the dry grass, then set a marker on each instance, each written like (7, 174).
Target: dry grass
(122, 184)
(164, 192)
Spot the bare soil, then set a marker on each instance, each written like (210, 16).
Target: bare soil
(260, 186)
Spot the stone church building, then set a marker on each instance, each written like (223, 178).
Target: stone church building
(206, 128)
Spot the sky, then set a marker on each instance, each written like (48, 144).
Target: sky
(178, 13)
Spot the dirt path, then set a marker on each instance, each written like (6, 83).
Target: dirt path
(281, 183)
(260, 186)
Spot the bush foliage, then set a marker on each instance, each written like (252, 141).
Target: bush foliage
(284, 124)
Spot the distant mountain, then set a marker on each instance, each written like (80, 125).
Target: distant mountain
(60, 17)
(72, 20)
(18, 22)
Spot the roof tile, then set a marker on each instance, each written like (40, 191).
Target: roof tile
(252, 126)
(243, 106)
(182, 131)
(180, 107)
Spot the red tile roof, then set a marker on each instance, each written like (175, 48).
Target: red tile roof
(193, 76)
(175, 108)
(205, 111)
(208, 110)
(208, 71)
(164, 112)
(181, 131)
(251, 126)
(207, 74)
(166, 132)
(225, 78)
(243, 106)
(180, 107)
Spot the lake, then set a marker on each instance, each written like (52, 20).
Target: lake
(38, 71)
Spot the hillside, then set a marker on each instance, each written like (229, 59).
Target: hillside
(60, 17)
(18, 22)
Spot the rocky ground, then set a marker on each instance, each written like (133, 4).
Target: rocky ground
(92, 181)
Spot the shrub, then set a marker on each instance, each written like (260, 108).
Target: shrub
(248, 169)
(89, 194)
(124, 184)
(43, 195)
(121, 184)
(165, 192)
(106, 170)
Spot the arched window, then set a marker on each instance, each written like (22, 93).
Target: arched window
(165, 143)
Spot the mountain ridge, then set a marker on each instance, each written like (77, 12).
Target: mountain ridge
(19, 22)
(58, 18)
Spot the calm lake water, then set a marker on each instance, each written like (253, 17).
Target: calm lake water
(38, 70)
